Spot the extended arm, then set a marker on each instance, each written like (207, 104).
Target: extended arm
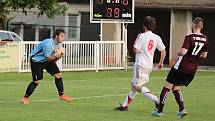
(54, 57)
(57, 55)
(163, 55)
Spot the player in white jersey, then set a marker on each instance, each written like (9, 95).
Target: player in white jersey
(144, 48)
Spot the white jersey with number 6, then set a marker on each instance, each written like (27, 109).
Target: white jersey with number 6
(146, 43)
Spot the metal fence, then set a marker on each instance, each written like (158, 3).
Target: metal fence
(81, 55)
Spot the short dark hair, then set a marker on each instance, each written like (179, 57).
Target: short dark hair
(57, 32)
(198, 22)
(150, 23)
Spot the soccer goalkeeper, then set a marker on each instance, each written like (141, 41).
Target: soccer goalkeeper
(44, 56)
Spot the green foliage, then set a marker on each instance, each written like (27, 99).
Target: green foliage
(48, 7)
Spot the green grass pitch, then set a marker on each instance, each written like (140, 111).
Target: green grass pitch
(97, 94)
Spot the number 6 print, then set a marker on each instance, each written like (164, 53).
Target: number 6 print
(150, 45)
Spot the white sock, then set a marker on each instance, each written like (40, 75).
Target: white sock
(129, 98)
(146, 92)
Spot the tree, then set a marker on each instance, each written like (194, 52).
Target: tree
(48, 7)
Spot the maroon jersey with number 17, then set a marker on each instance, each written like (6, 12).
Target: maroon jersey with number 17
(196, 44)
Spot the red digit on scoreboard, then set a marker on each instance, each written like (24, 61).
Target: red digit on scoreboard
(116, 12)
(113, 12)
(109, 12)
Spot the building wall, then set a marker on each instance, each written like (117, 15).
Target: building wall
(32, 15)
(180, 26)
(31, 32)
(177, 4)
(77, 8)
(89, 31)
(111, 32)
(32, 18)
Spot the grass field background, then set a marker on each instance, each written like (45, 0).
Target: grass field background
(97, 94)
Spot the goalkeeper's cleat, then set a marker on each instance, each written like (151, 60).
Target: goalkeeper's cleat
(157, 114)
(66, 98)
(25, 100)
(181, 114)
(121, 108)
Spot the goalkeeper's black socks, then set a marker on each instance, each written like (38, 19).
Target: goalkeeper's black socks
(30, 89)
(59, 85)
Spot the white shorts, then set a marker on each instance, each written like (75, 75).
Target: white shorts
(141, 75)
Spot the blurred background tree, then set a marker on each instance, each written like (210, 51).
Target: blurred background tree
(48, 7)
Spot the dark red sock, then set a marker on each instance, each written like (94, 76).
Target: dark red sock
(163, 98)
(179, 99)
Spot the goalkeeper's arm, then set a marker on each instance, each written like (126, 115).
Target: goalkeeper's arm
(59, 52)
(54, 57)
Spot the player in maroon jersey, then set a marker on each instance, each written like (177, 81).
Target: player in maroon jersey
(195, 46)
